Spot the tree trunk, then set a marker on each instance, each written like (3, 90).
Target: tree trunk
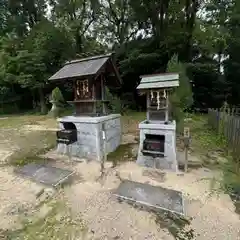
(219, 60)
(43, 106)
(33, 99)
(78, 39)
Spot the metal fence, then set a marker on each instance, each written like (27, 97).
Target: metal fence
(226, 122)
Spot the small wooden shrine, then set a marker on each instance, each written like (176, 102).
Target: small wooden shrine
(90, 77)
(157, 88)
(157, 146)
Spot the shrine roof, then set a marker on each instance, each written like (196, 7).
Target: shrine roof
(162, 80)
(85, 67)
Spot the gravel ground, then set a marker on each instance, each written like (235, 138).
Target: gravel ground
(105, 216)
(17, 196)
(213, 216)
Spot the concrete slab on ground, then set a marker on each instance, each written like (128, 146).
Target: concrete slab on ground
(45, 174)
(151, 196)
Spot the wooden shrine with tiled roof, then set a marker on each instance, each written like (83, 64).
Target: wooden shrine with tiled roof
(90, 77)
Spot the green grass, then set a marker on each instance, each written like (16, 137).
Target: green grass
(175, 224)
(135, 115)
(231, 181)
(205, 140)
(58, 224)
(16, 121)
(29, 144)
(122, 154)
(131, 120)
(34, 144)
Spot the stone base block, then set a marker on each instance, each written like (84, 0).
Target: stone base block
(168, 161)
(90, 143)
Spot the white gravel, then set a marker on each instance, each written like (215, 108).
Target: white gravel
(17, 195)
(213, 215)
(106, 217)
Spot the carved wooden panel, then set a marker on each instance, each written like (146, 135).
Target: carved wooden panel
(154, 97)
(83, 89)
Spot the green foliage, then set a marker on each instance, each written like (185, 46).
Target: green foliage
(52, 46)
(115, 103)
(177, 225)
(181, 99)
(58, 223)
(122, 154)
(43, 51)
(57, 95)
(210, 93)
(205, 141)
(232, 64)
(117, 24)
(231, 176)
(35, 42)
(230, 181)
(78, 17)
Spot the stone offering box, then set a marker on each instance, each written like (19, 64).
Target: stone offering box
(157, 146)
(83, 133)
(90, 140)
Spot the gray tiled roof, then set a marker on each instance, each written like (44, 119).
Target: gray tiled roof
(80, 68)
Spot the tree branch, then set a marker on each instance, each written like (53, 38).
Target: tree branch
(113, 12)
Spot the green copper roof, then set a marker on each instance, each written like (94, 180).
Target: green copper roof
(165, 80)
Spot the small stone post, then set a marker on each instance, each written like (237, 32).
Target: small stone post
(104, 159)
(186, 146)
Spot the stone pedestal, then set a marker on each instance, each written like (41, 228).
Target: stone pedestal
(54, 110)
(168, 161)
(90, 141)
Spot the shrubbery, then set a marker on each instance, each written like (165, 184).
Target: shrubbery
(115, 103)
(181, 99)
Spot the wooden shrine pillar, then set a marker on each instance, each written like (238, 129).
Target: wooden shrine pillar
(94, 97)
(148, 105)
(103, 92)
(167, 107)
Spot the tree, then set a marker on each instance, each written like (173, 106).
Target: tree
(3, 16)
(208, 85)
(217, 14)
(41, 54)
(166, 29)
(232, 64)
(77, 17)
(181, 99)
(23, 15)
(170, 23)
(117, 24)
(145, 34)
(205, 69)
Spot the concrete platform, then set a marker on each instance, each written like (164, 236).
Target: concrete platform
(44, 174)
(169, 160)
(90, 141)
(150, 196)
